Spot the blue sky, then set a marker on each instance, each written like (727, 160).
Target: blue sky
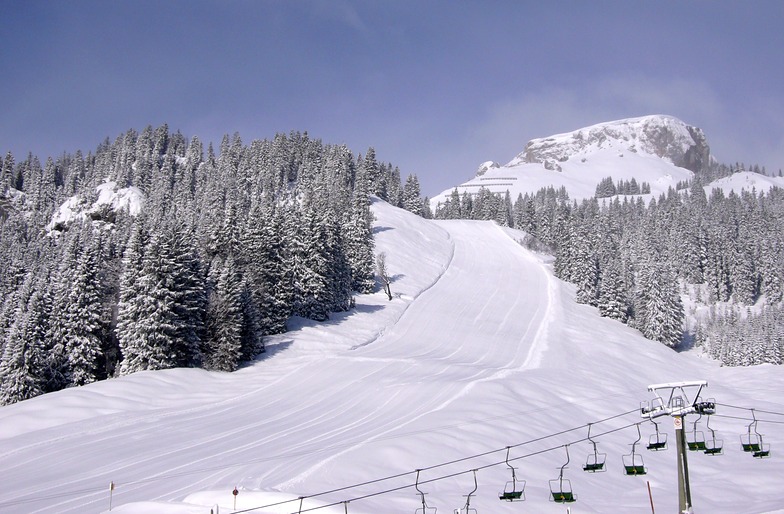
(436, 87)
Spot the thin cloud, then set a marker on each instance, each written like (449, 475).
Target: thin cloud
(508, 125)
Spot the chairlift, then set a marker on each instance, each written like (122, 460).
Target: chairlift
(633, 463)
(752, 443)
(595, 461)
(514, 490)
(561, 488)
(713, 446)
(467, 507)
(425, 509)
(657, 441)
(695, 439)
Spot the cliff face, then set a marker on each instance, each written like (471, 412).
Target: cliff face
(664, 136)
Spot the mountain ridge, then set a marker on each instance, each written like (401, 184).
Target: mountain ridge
(662, 135)
(658, 149)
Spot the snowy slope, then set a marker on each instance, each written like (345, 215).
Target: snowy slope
(660, 150)
(480, 349)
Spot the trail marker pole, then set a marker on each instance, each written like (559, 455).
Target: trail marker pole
(111, 490)
(235, 492)
(650, 497)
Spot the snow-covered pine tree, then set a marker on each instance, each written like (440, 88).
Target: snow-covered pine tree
(612, 301)
(148, 326)
(222, 348)
(82, 318)
(358, 238)
(412, 201)
(311, 294)
(659, 308)
(23, 356)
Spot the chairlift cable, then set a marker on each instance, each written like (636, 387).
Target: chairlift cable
(442, 477)
(750, 408)
(301, 453)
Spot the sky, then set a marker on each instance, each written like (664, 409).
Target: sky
(435, 87)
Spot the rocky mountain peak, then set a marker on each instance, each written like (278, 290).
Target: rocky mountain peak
(664, 136)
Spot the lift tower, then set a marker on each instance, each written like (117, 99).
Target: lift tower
(677, 399)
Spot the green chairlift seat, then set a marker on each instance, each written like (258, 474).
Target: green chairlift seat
(695, 446)
(595, 461)
(514, 490)
(563, 496)
(633, 463)
(561, 488)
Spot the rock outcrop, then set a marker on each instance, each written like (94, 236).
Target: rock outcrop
(664, 136)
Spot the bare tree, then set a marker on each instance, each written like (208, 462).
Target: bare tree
(383, 274)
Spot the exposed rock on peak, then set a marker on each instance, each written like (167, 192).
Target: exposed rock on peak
(487, 165)
(664, 136)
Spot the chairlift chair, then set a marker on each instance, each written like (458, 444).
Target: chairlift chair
(752, 442)
(514, 490)
(466, 509)
(595, 461)
(657, 441)
(633, 463)
(561, 488)
(713, 446)
(425, 509)
(695, 440)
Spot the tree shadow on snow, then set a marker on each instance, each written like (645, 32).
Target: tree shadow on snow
(376, 230)
(272, 349)
(688, 341)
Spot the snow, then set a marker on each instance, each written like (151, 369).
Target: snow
(579, 160)
(627, 135)
(481, 348)
(130, 198)
(745, 180)
(108, 196)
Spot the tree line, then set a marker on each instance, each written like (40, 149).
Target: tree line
(227, 246)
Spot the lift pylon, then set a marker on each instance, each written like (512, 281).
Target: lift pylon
(678, 399)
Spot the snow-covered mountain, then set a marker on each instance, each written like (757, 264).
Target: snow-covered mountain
(659, 150)
(480, 349)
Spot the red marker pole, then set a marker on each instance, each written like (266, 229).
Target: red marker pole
(235, 492)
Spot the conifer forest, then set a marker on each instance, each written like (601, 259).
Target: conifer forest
(212, 251)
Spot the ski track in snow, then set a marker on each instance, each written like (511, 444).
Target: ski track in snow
(481, 348)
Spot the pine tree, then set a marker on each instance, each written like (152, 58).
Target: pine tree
(147, 319)
(358, 238)
(311, 294)
(660, 311)
(411, 195)
(612, 292)
(223, 345)
(23, 359)
(83, 320)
